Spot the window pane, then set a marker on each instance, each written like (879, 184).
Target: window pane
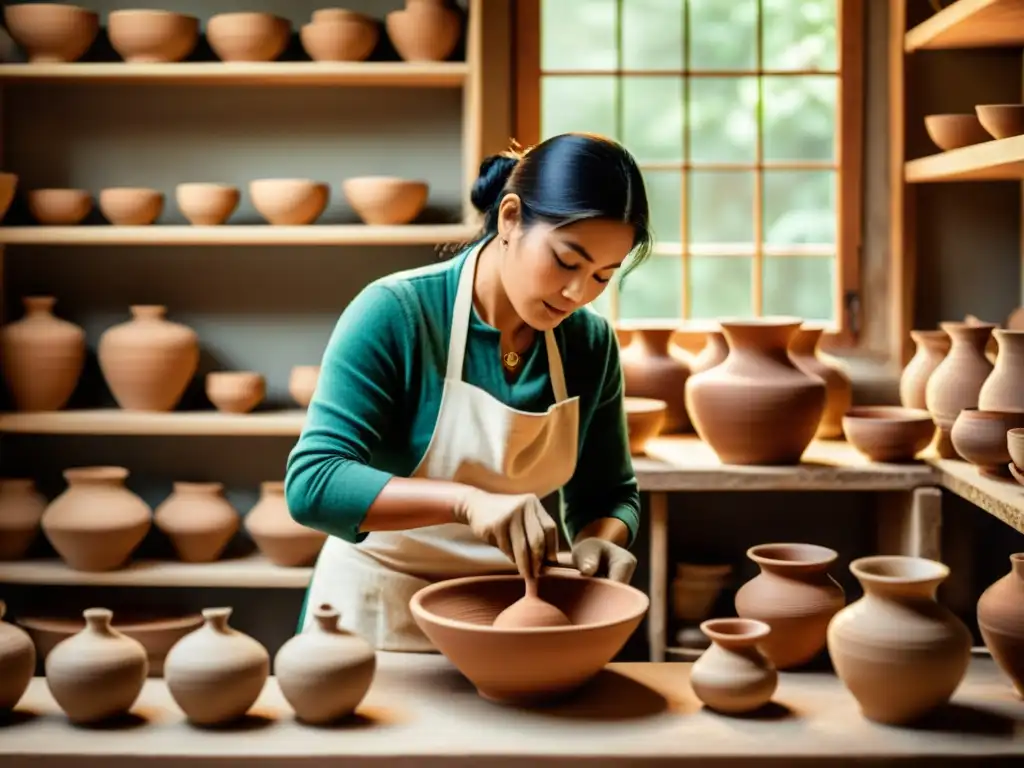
(721, 286)
(723, 119)
(721, 206)
(577, 103)
(799, 34)
(665, 198)
(723, 34)
(578, 34)
(801, 286)
(603, 303)
(652, 34)
(799, 207)
(653, 290)
(652, 118)
(800, 117)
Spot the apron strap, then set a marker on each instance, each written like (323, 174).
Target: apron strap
(555, 370)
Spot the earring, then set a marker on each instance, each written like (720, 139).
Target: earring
(504, 243)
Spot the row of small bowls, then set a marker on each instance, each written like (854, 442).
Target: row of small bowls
(988, 122)
(241, 391)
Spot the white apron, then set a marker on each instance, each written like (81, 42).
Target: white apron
(477, 440)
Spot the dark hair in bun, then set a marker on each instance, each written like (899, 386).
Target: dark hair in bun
(494, 174)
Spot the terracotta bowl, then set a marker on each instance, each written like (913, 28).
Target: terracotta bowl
(131, 206)
(528, 665)
(1015, 446)
(339, 35)
(980, 438)
(59, 207)
(52, 32)
(235, 391)
(8, 185)
(383, 200)
(302, 383)
(248, 36)
(206, 204)
(428, 32)
(152, 36)
(888, 433)
(955, 131)
(1001, 120)
(645, 418)
(289, 202)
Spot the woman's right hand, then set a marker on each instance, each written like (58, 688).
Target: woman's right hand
(517, 524)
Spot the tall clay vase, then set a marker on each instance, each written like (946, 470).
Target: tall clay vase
(17, 662)
(932, 348)
(198, 520)
(1003, 390)
(898, 651)
(714, 352)
(757, 407)
(650, 370)
(281, 540)
(148, 361)
(795, 596)
(804, 353)
(96, 523)
(956, 382)
(43, 357)
(1001, 621)
(21, 509)
(733, 675)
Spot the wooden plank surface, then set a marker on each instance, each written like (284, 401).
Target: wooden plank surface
(970, 24)
(996, 160)
(1003, 499)
(114, 421)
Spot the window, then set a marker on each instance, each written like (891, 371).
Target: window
(745, 118)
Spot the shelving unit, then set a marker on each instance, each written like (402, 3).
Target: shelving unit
(114, 421)
(969, 24)
(991, 161)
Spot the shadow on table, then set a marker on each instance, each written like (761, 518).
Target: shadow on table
(963, 718)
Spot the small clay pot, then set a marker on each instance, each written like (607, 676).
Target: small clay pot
(198, 520)
(805, 353)
(424, 31)
(131, 206)
(1001, 120)
(714, 352)
(248, 36)
(151, 36)
(932, 348)
(21, 510)
(733, 675)
(645, 418)
(279, 538)
(1001, 622)
(206, 205)
(1015, 447)
(339, 35)
(235, 391)
(980, 437)
(289, 202)
(887, 433)
(51, 32)
(17, 662)
(8, 186)
(302, 383)
(385, 200)
(59, 207)
(956, 382)
(955, 130)
(651, 369)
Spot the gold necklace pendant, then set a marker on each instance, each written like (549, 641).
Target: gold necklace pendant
(511, 360)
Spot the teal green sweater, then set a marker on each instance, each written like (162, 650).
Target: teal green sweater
(379, 391)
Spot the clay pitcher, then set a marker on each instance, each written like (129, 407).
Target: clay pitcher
(651, 371)
(1001, 621)
(43, 357)
(281, 540)
(17, 662)
(757, 407)
(1003, 390)
(932, 348)
(956, 382)
(795, 596)
(733, 675)
(714, 351)
(898, 651)
(198, 520)
(21, 509)
(804, 353)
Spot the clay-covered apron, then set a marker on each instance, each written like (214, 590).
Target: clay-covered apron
(477, 440)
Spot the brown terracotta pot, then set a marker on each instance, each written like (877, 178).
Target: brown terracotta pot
(235, 391)
(198, 520)
(804, 352)
(980, 438)
(51, 32)
(8, 186)
(426, 30)
(957, 380)
(289, 202)
(695, 589)
(302, 383)
(21, 509)
(96, 523)
(645, 419)
(17, 662)
(952, 131)
(148, 361)
(714, 352)
(932, 347)
(1003, 390)
(651, 371)
(131, 206)
(339, 35)
(206, 205)
(733, 675)
(757, 407)
(248, 36)
(898, 651)
(59, 207)
(148, 36)
(385, 200)
(888, 433)
(43, 357)
(282, 540)
(1001, 621)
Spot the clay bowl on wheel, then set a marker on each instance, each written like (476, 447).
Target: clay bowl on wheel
(528, 666)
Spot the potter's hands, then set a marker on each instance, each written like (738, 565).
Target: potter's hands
(517, 524)
(599, 557)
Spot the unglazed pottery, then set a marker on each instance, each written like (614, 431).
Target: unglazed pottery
(888, 433)
(21, 509)
(980, 438)
(1001, 621)
(1015, 446)
(198, 520)
(898, 651)
(302, 383)
(956, 382)
(714, 352)
(1003, 390)
(805, 353)
(425, 30)
(281, 540)
(43, 357)
(97, 673)
(651, 371)
(8, 186)
(248, 36)
(645, 419)
(335, 34)
(953, 131)
(51, 32)
(325, 672)
(385, 200)
(757, 407)
(96, 523)
(695, 589)
(1001, 120)
(151, 36)
(289, 202)
(216, 673)
(932, 347)
(528, 665)
(59, 207)
(235, 391)
(733, 675)
(131, 206)
(17, 662)
(148, 361)
(795, 596)
(531, 611)
(206, 205)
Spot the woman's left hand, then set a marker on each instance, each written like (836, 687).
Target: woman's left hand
(593, 556)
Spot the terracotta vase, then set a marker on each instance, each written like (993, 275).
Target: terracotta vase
(651, 371)
(21, 509)
(148, 361)
(714, 352)
(898, 651)
(43, 357)
(1003, 390)
(733, 675)
(216, 673)
(757, 407)
(96, 523)
(932, 348)
(956, 382)
(1001, 621)
(325, 672)
(281, 540)
(425, 30)
(804, 352)
(17, 662)
(97, 673)
(198, 520)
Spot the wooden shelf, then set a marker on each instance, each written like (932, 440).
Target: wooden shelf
(370, 73)
(240, 234)
(999, 160)
(970, 24)
(1003, 499)
(114, 421)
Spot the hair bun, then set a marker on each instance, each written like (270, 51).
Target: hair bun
(494, 173)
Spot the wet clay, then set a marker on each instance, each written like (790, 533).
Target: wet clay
(531, 611)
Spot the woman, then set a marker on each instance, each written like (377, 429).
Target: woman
(453, 398)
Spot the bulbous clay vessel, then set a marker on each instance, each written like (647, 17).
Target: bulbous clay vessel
(21, 509)
(651, 371)
(325, 672)
(198, 520)
(96, 523)
(148, 361)
(804, 353)
(97, 673)
(898, 651)
(282, 540)
(757, 407)
(733, 675)
(795, 596)
(980, 438)
(43, 357)
(714, 351)
(1003, 390)
(956, 382)
(1001, 621)
(17, 662)
(932, 347)
(216, 673)
(426, 30)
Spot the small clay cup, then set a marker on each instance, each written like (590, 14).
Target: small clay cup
(645, 418)
(980, 437)
(51, 32)
(1015, 447)
(1001, 120)
(206, 205)
(385, 200)
(339, 35)
(887, 433)
(59, 207)
(289, 202)
(248, 36)
(235, 391)
(152, 36)
(131, 206)
(955, 131)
